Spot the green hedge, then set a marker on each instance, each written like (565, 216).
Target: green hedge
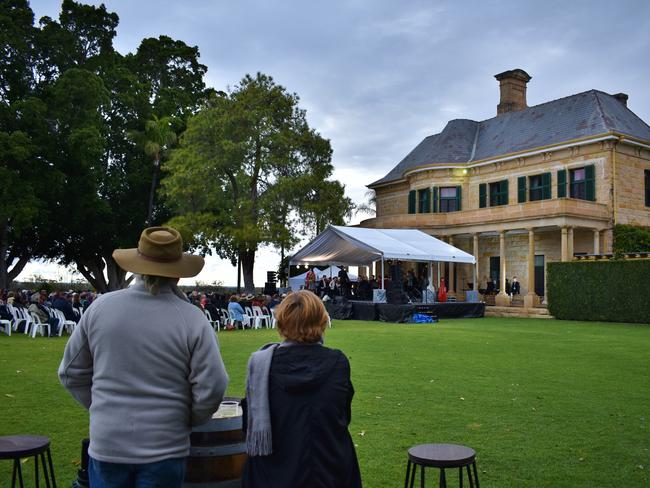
(612, 291)
(630, 238)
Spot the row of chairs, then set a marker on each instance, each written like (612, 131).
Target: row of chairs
(32, 324)
(254, 317)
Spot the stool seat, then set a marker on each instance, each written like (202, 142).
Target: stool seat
(19, 446)
(442, 455)
(16, 447)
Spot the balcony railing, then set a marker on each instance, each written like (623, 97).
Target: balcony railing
(557, 207)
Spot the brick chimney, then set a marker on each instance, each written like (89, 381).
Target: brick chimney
(513, 90)
(621, 97)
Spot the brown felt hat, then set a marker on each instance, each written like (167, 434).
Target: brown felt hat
(159, 253)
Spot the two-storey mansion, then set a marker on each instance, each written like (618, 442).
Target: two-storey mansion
(529, 186)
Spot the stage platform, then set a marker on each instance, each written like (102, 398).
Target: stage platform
(386, 312)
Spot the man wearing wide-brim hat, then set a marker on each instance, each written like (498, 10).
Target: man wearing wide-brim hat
(146, 363)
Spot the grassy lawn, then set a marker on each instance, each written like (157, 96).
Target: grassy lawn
(544, 403)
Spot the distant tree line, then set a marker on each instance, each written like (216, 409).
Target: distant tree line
(95, 145)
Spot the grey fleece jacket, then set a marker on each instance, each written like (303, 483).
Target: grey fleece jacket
(148, 368)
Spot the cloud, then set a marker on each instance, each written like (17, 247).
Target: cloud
(376, 77)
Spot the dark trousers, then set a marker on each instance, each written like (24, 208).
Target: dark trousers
(168, 473)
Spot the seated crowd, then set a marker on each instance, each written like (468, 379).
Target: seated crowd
(43, 306)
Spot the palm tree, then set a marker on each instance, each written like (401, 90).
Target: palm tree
(368, 207)
(157, 138)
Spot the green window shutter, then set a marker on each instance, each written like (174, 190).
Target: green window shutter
(434, 190)
(561, 183)
(503, 198)
(412, 202)
(521, 189)
(482, 195)
(590, 182)
(459, 198)
(426, 201)
(546, 186)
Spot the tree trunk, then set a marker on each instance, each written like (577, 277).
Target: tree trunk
(247, 259)
(116, 275)
(16, 270)
(152, 191)
(282, 272)
(94, 273)
(238, 274)
(7, 275)
(114, 279)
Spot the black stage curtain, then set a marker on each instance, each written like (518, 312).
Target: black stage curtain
(340, 311)
(387, 312)
(459, 310)
(364, 311)
(394, 313)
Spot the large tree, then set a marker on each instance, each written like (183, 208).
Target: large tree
(24, 138)
(250, 171)
(96, 99)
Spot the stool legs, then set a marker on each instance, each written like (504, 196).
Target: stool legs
(17, 469)
(409, 480)
(475, 474)
(48, 471)
(49, 462)
(36, 470)
(408, 472)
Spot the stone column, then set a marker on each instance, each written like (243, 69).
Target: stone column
(451, 286)
(596, 241)
(531, 299)
(565, 244)
(570, 251)
(502, 299)
(476, 267)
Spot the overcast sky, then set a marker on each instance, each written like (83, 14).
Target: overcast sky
(377, 76)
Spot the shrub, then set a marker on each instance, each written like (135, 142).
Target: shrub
(630, 238)
(612, 291)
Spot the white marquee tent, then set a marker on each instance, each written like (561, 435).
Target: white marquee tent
(354, 246)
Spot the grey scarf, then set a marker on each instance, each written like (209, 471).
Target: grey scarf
(259, 441)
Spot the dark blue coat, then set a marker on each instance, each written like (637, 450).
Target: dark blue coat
(310, 395)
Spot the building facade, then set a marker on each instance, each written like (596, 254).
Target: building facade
(527, 187)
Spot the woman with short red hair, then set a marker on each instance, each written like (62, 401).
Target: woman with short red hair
(299, 397)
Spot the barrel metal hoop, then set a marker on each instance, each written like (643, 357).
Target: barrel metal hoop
(219, 425)
(219, 450)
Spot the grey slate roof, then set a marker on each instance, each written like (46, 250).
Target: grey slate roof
(578, 116)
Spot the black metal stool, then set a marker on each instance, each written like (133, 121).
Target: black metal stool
(21, 446)
(442, 456)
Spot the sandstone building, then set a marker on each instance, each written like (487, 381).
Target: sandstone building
(529, 186)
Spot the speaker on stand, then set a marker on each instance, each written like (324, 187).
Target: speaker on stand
(270, 287)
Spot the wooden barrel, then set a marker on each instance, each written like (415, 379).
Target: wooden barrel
(217, 453)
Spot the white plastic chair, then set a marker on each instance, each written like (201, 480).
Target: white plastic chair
(272, 312)
(261, 317)
(250, 317)
(246, 319)
(6, 326)
(38, 326)
(19, 318)
(64, 323)
(216, 325)
(225, 318)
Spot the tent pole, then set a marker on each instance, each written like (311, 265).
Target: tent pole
(382, 272)
(431, 286)
(474, 285)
